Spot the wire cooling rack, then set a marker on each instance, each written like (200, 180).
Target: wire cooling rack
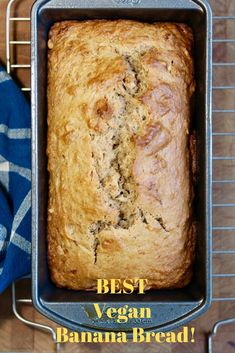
(219, 163)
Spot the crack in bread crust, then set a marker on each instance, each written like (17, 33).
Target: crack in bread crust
(120, 191)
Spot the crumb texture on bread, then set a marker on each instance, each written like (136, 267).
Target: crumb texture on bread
(120, 185)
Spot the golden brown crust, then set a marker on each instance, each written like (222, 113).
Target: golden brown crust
(120, 189)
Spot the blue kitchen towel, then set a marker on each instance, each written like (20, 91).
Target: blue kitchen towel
(15, 182)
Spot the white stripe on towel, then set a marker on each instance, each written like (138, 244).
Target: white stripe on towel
(4, 76)
(21, 242)
(24, 172)
(15, 133)
(19, 216)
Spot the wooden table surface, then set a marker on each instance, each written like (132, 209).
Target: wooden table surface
(15, 336)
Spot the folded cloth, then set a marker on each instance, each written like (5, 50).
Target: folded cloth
(15, 182)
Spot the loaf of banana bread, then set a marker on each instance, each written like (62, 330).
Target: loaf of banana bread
(120, 178)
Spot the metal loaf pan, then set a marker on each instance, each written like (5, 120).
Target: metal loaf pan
(74, 309)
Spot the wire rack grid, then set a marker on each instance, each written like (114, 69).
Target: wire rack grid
(224, 87)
